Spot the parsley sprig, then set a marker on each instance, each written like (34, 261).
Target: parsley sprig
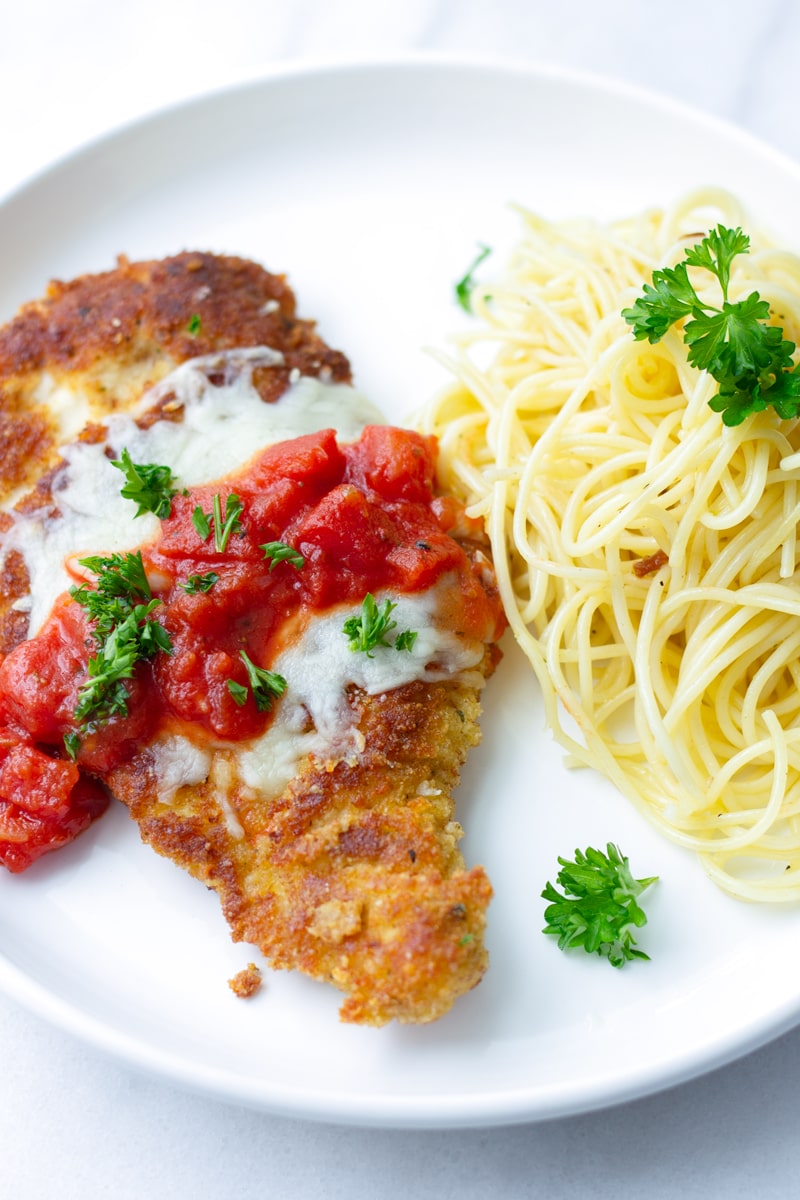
(749, 357)
(266, 685)
(147, 484)
(223, 525)
(120, 608)
(599, 907)
(369, 628)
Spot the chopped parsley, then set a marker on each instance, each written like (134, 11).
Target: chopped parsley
(223, 525)
(193, 328)
(72, 744)
(120, 608)
(598, 908)
(370, 627)
(200, 583)
(405, 640)
(276, 552)
(267, 685)
(121, 584)
(147, 484)
(750, 359)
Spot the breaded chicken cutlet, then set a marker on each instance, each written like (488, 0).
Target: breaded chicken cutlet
(190, 479)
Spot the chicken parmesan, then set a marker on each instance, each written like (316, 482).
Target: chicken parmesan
(232, 598)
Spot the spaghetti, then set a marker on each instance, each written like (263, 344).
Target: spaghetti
(646, 553)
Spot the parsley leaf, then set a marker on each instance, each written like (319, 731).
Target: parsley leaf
(370, 627)
(668, 299)
(276, 552)
(201, 522)
(405, 640)
(238, 691)
(717, 251)
(193, 328)
(200, 583)
(147, 484)
(465, 286)
(598, 908)
(749, 358)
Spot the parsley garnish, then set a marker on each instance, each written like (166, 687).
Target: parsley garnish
(370, 627)
(465, 286)
(599, 908)
(120, 608)
(136, 638)
(121, 583)
(147, 484)
(223, 526)
(266, 685)
(193, 328)
(276, 552)
(200, 583)
(750, 360)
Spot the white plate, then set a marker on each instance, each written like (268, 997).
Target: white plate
(371, 185)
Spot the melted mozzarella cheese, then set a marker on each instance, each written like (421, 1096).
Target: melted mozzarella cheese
(224, 419)
(314, 717)
(225, 423)
(69, 407)
(178, 763)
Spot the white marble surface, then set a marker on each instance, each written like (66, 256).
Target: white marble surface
(74, 1123)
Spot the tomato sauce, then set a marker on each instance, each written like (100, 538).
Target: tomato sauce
(363, 516)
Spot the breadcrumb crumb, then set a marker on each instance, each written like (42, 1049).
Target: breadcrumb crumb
(247, 982)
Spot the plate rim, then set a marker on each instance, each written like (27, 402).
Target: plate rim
(450, 61)
(409, 1110)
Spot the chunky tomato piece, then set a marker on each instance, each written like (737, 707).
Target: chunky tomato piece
(45, 802)
(36, 782)
(39, 685)
(195, 684)
(314, 460)
(40, 679)
(396, 463)
(351, 537)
